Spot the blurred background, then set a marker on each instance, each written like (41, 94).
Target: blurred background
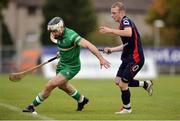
(24, 40)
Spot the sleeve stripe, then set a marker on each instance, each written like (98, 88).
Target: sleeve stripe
(77, 38)
(73, 36)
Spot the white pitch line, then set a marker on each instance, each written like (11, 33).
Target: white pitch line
(42, 117)
(16, 109)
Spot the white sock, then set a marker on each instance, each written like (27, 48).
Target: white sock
(127, 106)
(81, 99)
(141, 83)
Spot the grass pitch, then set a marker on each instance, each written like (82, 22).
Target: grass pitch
(104, 100)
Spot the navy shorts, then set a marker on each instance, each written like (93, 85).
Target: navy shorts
(128, 69)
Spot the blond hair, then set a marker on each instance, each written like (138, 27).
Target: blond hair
(118, 4)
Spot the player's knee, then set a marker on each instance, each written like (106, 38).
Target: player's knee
(117, 80)
(51, 85)
(122, 84)
(62, 86)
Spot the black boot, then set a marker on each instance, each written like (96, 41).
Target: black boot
(81, 105)
(29, 109)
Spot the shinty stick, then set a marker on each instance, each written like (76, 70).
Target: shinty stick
(19, 75)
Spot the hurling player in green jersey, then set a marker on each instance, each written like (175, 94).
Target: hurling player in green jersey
(69, 43)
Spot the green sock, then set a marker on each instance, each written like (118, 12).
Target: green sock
(76, 95)
(38, 100)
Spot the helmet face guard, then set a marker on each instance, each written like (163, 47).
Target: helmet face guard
(55, 24)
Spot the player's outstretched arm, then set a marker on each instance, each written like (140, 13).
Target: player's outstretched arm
(109, 50)
(117, 48)
(86, 44)
(127, 32)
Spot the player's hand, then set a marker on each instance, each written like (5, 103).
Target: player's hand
(107, 50)
(105, 63)
(104, 30)
(52, 38)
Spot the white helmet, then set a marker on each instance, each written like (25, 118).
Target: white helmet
(56, 23)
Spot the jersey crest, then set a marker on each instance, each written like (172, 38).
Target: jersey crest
(126, 22)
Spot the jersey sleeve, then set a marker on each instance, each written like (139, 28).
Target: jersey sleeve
(126, 23)
(76, 38)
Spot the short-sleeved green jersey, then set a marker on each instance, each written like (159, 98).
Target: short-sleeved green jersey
(68, 45)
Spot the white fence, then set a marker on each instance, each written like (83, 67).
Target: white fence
(90, 67)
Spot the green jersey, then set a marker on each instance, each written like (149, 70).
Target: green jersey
(68, 44)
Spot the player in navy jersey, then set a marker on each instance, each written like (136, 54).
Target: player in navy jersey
(132, 55)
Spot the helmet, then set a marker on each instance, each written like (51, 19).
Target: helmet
(55, 24)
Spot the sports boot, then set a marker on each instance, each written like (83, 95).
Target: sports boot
(81, 105)
(29, 109)
(148, 87)
(124, 111)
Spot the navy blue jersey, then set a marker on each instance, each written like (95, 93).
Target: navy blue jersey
(133, 50)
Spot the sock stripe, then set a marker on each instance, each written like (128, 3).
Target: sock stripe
(73, 94)
(76, 95)
(38, 99)
(127, 106)
(41, 97)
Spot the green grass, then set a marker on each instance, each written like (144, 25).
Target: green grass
(104, 100)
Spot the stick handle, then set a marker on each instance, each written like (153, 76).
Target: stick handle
(18, 76)
(109, 52)
(52, 59)
(101, 49)
(38, 66)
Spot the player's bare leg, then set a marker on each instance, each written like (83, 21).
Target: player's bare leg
(125, 96)
(45, 93)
